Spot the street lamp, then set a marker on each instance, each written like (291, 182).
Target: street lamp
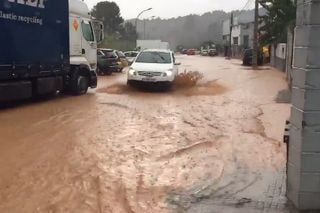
(140, 15)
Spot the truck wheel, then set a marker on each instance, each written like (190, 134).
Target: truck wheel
(80, 85)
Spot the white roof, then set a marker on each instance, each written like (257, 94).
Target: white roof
(79, 7)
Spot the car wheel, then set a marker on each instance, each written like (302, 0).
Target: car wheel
(80, 84)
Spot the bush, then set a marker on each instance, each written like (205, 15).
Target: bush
(112, 42)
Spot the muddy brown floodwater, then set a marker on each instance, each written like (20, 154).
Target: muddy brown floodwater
(121, 150)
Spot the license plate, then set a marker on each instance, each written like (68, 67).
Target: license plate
(149, 79)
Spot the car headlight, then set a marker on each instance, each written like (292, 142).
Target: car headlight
(132, 72)
(169, 73)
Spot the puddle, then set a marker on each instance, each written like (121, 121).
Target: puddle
(186, 84)
(210, 88)
(260, 68)
(117, 89)
(284, 96)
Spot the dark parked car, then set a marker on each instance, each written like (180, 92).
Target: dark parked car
(107, 61)
(122, 60)
(213, 52)
(248, 57)
(131, 56)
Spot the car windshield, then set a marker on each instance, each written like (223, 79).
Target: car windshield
(109, 53)
(154, 57)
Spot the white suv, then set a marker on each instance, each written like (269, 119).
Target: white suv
(153, 66)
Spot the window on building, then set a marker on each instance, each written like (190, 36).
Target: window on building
(235, 41)
(246, 26)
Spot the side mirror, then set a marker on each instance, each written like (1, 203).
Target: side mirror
(99, 30)
(177, 63)
(101, 33)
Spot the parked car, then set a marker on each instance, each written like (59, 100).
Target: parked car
(131, 55)
(122, 60)
(248, 57)
(212, 52)
(191, 52)
(107, 61)
(156, 66)
(184, 51)
(204, 52)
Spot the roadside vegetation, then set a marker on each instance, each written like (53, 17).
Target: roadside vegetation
(280, 18)
(119, 34)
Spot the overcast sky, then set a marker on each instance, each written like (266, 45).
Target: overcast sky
(172, 8)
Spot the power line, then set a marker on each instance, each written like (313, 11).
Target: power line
(249, 2)
(246, 7)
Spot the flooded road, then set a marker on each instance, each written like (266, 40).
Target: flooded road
(122, 150)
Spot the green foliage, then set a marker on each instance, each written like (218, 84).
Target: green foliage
(109, 14)
(281, 16)
(114, 42)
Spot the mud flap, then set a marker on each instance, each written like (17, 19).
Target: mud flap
(93, 79)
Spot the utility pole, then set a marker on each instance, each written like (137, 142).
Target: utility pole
(144, 29)
(230, 36)
(255, 35)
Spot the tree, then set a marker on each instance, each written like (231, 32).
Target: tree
(109, 14)
(280, 17)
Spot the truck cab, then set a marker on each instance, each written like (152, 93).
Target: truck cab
(83, 43)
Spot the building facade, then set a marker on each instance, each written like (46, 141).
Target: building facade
(242, 31)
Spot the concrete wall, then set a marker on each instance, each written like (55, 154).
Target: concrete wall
(226, 28)
(278, 56)
(248, 30)
(236, 32)
(152, 44)
(304, 146)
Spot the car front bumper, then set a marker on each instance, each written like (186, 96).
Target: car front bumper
(153, 79)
